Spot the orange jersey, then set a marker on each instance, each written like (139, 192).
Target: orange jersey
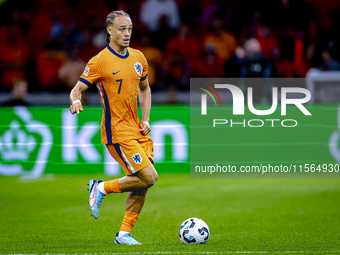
(117, 79)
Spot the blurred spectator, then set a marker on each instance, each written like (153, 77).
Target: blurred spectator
(161, 37)
(255, 65)
(309, 55)
(183, 43)
(292, 35)
(268, 42)
(177, 72)
(153, 10)
(208, 13)
(14, 53)
(19, 92)
(232, 67)
(302, 55)
(210, 65)
(171, 95)
(91, 37)
(328, 63)
(99, 39)
(298, 54)
(57, 27)
(224, 41)
(223, 7)
(283, 58)
(48, 65)
(154, 58)
(283, 66)
(98, 33)
(281, 14)
(161, 17)
(40, 28)
(70, 72)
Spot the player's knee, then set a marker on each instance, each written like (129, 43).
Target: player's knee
(155, 177)
(148, 175)
(151, 179)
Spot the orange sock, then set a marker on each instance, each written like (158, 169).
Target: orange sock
(112, 187)
(129, 221)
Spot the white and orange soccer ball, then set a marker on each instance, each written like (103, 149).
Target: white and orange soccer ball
(194, 231)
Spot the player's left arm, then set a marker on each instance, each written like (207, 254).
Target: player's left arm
(145, 104)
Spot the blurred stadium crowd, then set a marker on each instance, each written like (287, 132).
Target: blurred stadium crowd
(48, 42)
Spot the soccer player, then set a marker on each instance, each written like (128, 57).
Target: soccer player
(120, 74)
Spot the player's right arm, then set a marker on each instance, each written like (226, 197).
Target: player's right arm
(75, 97)
(91, 74)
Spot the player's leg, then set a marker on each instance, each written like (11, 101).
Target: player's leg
(147, 176)
(136, 198)
(135, 158)
(134, 203)
(143, 179)
(132, 159)
(133, 207)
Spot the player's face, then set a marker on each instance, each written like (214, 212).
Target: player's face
(121, 31)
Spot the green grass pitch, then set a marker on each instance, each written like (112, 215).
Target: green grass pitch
(247, 216)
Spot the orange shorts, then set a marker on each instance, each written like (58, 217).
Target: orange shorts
(133, 155)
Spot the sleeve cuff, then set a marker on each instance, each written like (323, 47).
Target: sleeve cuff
(85, 81)
(143, 78)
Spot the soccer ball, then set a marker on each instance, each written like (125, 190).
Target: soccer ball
(194, 230)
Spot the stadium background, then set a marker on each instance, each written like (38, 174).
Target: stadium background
(48, 42)
(44, 46)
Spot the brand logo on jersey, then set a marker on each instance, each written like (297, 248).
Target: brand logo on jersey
(116, 72)
(138, 68)
(137, 158)
(86, 71)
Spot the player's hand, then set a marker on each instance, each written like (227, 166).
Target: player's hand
(144, 127)
(76, 108)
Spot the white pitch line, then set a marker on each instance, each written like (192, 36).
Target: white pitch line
(222, 252)
(188, 252)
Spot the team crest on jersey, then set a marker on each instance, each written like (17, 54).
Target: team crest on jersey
(138, 68)
(137, 158)
(86, 71)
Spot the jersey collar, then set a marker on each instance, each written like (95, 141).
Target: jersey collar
(118, 55)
